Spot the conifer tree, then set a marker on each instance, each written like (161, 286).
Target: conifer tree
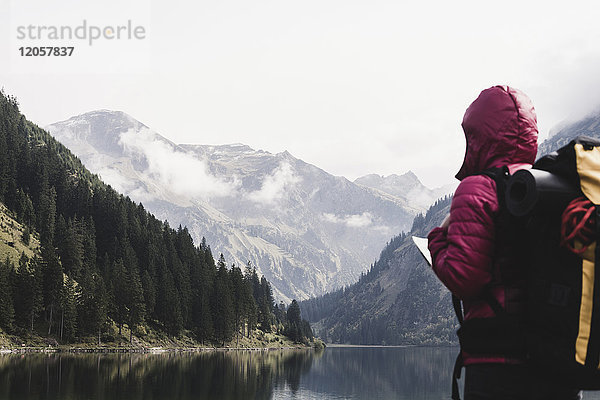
(100, 307)
(7, 312)
(242, 301)
(203, 278)
(26, 236)
(252, 283)
(120, 294)
(69, 241)
(20, 293)
(47, 216)
(27, 212)
(281, 312)
(294, 321)
(89, 244)
(68, 321)
(265, 305)
(53, 282)
(93, 304)
(149, 289)
(250, 309)
(32, 291)
(222, 304)
(168, 307)
(137, 309)
(203, 316)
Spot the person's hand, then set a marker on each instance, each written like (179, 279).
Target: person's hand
(446, 222)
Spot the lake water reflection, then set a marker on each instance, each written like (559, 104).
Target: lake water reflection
(337, 373)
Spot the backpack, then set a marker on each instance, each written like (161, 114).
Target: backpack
(557, 200)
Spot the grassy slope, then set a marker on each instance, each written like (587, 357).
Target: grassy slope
(11, 232)
(147, 340)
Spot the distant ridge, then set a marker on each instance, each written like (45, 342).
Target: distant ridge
(406, 187)
(588, 126)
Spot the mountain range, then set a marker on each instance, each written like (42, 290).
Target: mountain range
(307, 231)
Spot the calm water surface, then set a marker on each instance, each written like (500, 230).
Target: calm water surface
(337, 373)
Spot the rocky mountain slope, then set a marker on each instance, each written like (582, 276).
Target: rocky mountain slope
(307, 231)
(406, 187)
(588, 126)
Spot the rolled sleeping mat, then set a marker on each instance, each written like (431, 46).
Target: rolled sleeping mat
(528, 188)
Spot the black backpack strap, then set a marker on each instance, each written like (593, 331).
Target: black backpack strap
(487, 296)
(456, 303)
(499, 175)
(496, 307)
(458, 364)
(491, 300)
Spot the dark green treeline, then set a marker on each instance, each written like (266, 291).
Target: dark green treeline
(105, 260)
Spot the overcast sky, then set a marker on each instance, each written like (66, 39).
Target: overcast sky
(354, 87)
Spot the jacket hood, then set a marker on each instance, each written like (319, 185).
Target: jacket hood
(500, 128)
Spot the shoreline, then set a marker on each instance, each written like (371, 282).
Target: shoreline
(77, 349)
(375, 346)
(151, 343)
(383, 346)
(142, 350)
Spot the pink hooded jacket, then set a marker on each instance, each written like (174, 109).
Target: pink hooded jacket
(501, 130)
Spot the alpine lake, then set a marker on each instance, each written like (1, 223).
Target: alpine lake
(365, 373)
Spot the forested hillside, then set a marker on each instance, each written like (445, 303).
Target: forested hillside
(399, 301)
(103, 261)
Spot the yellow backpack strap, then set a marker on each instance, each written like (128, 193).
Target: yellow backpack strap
(587, 347)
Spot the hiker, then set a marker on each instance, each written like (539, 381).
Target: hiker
(473, 254)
